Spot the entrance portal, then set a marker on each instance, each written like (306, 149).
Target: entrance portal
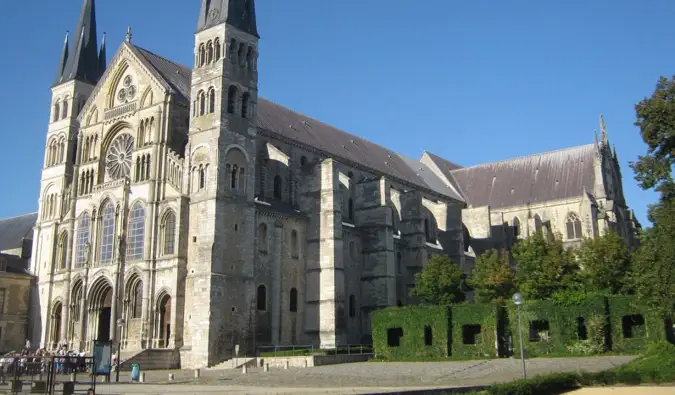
(105, 316)
(165, 320)
(56, 323)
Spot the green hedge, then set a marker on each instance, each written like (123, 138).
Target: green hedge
(418, 324)
(474, 330)
(623, 311)
(562, 322)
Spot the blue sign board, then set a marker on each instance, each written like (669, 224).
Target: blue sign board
(102, 357)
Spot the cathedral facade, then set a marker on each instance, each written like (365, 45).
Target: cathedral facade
(180, 211)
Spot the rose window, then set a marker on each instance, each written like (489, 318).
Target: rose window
(118, 159)
(128, 91)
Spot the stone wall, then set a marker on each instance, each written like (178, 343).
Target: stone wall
(15, 290)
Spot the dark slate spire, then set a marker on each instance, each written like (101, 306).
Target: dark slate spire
(64, 58)
(236, 13)
(83, 64)
(101, 57)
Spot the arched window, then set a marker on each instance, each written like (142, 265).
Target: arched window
(209, 52)
(212, 101)
(202, 55)
(136, 233)
(231, 99)
(249, 59)
(202, 177)
(352, 305)
(277, 187)
(293, 304)
(137, 300)
(233, 51)
(262, 237)
(262, 298)
(64, 110)
(202, 102)
(57, 111)
(63, 251)
(303, 160)
(537, 223)
(516, 227)
(82, 240)
(350, 209)
(573, 227)
(169, 233)
(246, 97)
(234, 175)
(107, 241)
(294, 244)
(216, 45)
(241, 54)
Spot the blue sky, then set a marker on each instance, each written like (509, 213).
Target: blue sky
(473, 81)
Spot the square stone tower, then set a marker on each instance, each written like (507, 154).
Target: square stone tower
(221, 158)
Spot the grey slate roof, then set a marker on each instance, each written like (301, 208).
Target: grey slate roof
(14, 230)
(15, 264)
(546, 176)
(237, 13)
(303, 130)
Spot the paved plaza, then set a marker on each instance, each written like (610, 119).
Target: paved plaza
(354, 378)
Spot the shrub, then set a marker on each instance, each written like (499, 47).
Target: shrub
(551, 384)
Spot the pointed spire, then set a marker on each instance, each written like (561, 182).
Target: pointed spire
(128, 39)
(101, 57)
(83, 64)
(64, 58)
(236, 13)
(603, 131)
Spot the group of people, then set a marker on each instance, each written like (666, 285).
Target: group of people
(32, 363)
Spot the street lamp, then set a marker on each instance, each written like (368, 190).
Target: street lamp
(120, 324)
(518, 300)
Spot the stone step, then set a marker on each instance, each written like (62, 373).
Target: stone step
(153, 359)
(235, 363)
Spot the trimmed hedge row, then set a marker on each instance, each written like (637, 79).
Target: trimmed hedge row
(583, 326)
(550, 328)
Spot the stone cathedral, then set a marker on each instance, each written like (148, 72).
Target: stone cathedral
(180, 212)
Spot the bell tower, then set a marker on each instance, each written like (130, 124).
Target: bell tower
(79, 70)
(221, 155)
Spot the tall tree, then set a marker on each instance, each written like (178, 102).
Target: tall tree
(605, 261)
(492, 278)
(440, 282)
(654, 262)
(656, 120)
(544, 267)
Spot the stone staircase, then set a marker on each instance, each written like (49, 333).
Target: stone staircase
(152, 359)
(235, 363)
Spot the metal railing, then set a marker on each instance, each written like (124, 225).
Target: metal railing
(47, 374)
(274, 351)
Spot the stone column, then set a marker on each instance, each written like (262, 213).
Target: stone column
(146, 316)
(84, 308)
(277, 240)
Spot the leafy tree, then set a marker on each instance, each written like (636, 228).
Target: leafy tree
(544, 267)
(654, 262)
(440, 282)
(492, 278)
(605, 261)
(656, 120)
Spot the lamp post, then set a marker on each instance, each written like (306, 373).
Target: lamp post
(518, 300)
(120, 324)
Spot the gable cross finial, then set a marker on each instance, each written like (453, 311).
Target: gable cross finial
(129, 34)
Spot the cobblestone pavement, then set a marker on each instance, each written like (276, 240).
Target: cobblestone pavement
(356, 378)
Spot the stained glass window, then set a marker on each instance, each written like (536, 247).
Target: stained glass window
(136, 233)
(82, 240)
(107, 232)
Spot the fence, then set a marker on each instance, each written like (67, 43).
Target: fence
(309, 349)
(51, 375)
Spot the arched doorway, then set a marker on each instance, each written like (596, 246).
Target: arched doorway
(164, 310)
(57, 321)
(101, 300)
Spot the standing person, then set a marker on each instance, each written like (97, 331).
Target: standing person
(27, 344)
